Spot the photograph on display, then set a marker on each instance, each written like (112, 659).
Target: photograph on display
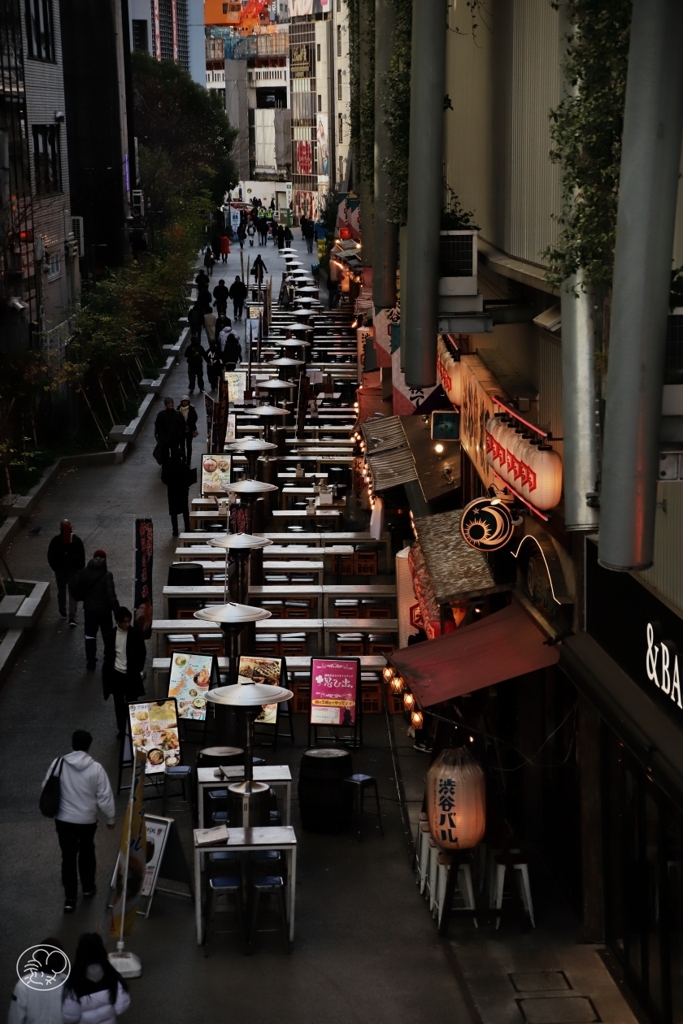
(237, 382)
(215, 474)
(190, 680)
(263, 670)
(154, 730)
(334, 689)
(157, 833)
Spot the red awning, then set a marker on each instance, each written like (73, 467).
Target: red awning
(501, 646)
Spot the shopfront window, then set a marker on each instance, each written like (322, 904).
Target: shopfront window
(644, 887)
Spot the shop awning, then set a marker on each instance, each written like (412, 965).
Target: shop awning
(387, 453)
(499, 647)
(457, 572)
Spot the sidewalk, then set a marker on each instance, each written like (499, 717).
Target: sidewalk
(542, 976)
(365, 948)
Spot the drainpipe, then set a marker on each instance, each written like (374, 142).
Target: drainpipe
(420, 286)
(386, 233)
(580, 454)
(648, 183)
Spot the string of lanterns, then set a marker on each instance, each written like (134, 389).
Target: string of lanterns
(397, 686)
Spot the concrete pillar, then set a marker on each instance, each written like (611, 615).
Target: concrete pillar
(579, 428)
(366, 44)
(648, 183)
(385, 233)
(420, 276)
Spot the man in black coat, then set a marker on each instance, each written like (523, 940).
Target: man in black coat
(220, 294)
(124, 663)
(232, 352)
(189, 414)
(94, 586)
(238, 293)
(66, 556)
(195, 356)
(176, 476)
(169, 430)
(195, 319)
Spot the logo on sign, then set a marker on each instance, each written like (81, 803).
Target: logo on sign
(661, 665)
(486, 524)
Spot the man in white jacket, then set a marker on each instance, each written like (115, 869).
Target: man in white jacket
(84, 788)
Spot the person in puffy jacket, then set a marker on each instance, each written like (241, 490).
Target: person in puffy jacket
(83, 790)
(37, 996)
(94, 586)
(95, 992)
(66, 556)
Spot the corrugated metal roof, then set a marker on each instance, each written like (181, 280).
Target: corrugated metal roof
(389, 457)
(457, 571)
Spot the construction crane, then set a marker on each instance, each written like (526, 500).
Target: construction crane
(254, 14)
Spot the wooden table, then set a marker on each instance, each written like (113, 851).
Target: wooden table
(244, 840)
(219, 778)
(306, 476)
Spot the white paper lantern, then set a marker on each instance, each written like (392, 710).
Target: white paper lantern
(456, 800)
(547, 466)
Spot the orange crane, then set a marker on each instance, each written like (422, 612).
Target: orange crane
(237, 15)
(254, 13)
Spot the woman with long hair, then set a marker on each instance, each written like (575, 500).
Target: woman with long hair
(95, 992)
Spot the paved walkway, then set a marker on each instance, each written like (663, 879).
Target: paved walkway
(365, 951)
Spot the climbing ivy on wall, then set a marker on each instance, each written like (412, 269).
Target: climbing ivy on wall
(396, 111)
(586, 129)
(362, 114)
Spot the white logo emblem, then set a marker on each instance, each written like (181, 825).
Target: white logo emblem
(43, 967)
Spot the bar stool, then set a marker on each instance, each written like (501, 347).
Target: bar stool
(464, 885)
(268, 885)
(360, 783)
(224, 886)
(430, 881)
(176, 773)
(521, 871)
(422, 852)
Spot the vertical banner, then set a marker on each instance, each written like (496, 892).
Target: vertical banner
(131, 866)
(407, 400)
(156, 15)
(144, 559)
(221, 415)
(210, 408)
(382, 323)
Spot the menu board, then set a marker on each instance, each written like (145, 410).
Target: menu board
(263, 670)
(237, 382)
(215, 474)
(334, 692)
(191, 678)
(154, 730)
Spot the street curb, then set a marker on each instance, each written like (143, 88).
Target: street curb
(9, 649)
(25, 619)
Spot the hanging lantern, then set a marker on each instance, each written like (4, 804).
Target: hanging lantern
(456, 800)
(388, 673)
(417, 719)
(396, 685)
(408, 701)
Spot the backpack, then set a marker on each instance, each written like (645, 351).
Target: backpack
(51, 792)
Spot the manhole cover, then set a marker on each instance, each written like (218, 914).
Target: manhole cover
(558, 1010)
(540, 981)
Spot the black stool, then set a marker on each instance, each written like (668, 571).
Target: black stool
(176, 773)
(360, 783)
(269, 885)
(224, 886)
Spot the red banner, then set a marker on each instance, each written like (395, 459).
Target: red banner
(142, 595)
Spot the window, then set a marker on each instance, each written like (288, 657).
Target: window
(340, 132)
(338, 6)
(339, 40)
(317, 52)
(39, 30)
(339, 85)
(47, 161)
(225, 8)
(53, 266)
(140, 35)
(320, 102)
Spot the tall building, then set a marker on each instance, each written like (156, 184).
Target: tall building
(40, 276)
(170, 30)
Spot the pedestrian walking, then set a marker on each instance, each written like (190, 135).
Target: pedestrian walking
(214, 363)
(224, 248)
(202, 281)
(37, 996)
(83, 790)
(94, 586)
(238, 293)
(176, 476)
(195, 319)
(169, 431)
(259, 270)
(308, 232)
(221, 295)
(210, 323)
(232, 351)
(241, 233)
(95, 992)
(195, 355)
(289, 237)
(189, 415)
(280, 236)
(209, 260)
(66, 556)
(251, 231)
(303, 221)
(124, 665)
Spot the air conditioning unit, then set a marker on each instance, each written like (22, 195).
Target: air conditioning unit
(77, 228)
(458, 262)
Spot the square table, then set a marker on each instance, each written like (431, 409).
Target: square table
(220, 778)
(244, 840)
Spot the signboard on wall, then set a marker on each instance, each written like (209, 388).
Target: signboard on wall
(323, 148)
(304, 157)
(479, 387)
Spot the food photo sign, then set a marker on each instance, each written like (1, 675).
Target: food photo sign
(262, 670)
(154, 731)
(192, 675)
(334, 692)
(215, 474)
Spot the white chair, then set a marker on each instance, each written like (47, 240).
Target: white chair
(422, 854)
(464, 886)
(521, 871)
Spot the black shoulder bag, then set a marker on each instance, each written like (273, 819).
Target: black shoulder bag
(49, 798)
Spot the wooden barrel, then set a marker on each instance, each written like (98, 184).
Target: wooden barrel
(325, 803)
